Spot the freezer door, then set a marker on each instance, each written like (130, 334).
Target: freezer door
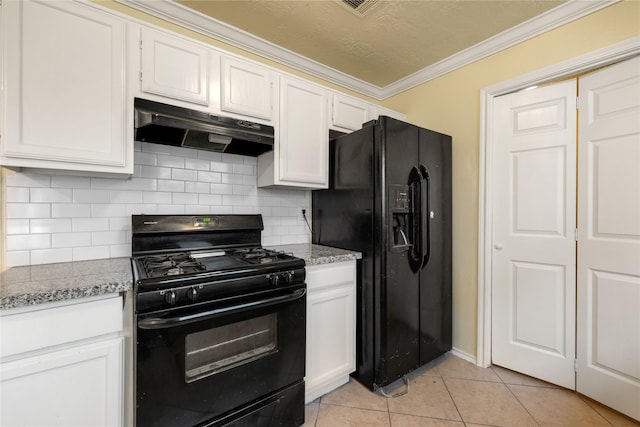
(399, 286)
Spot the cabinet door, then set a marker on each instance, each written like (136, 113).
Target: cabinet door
(303, 150)
(348, 113)
(330, 327)
(246, 89)
(80, 386)
(174, 67)
(64, 87)
(330, 338)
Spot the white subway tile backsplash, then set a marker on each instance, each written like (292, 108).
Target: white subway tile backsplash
(210, 199)
(90, 196)
(18, 258)
(221, 167)
(156, 172)
(27, 180)
(184, 199)
(150, 159)
(145, 208)
(17, 194)
(50, 225)
(208, 155)
(171, 209)
(79, 218)
(232, 179)
(120, 223)
(64, 181)
(26, 210)
(156, 197)
(108, 210)
(17, 226)
(92, 252)
(197, 187)
(48, 256)
(141, 184)
(204, 176)
(21, 242)
(184, 175)
(221, 189)
(171, 161)
(50, 195)
(197, 164)
(99, 238)
(125, 196)
(117, 251)
(244, 169)
(108, 183)
(89, 224)
(70, 240)
(170, 185)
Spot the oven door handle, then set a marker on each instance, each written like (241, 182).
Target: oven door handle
(170, 322)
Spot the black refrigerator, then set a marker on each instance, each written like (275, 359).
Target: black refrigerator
(389, 197)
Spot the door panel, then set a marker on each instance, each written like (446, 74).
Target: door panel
(609, 237)
(400, 286)
(533, 300)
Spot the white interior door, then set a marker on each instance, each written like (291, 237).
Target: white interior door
(533, 267)
(609, 237)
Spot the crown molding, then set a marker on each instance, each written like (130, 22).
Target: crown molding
(198, 22)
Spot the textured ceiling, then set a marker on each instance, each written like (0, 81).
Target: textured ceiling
(392, 40)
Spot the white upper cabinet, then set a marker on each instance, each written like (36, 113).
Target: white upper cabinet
(64, 97)
(246, 88)
(174, 67)
(300, 155)
(348, 113)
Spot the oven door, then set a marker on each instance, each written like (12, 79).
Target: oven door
(202, 364)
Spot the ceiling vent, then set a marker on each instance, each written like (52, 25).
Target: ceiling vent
(359, 7)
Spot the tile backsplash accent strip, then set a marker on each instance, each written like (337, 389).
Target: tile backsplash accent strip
(59, 218)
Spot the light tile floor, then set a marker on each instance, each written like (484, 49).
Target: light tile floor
(451, 392)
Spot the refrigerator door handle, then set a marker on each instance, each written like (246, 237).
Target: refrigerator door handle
(415, 221)
(425, 223)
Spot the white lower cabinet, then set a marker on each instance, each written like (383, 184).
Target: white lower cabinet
(331, 327)
(63, 366)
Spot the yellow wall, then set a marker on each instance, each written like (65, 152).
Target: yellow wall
(451, 104)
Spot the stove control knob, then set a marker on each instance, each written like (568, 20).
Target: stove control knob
(192, 294)
(288, 277)
(170, 298)
(274, 279)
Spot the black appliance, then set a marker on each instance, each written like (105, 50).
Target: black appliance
(389, 197)
(166, 124)
(220, 324)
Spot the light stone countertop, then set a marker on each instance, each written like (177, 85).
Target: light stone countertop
(316, 254)
(38, 284)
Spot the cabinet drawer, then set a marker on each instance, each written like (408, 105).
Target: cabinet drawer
(47, 327)
(328, 275)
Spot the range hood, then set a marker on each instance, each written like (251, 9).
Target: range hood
(165, 124)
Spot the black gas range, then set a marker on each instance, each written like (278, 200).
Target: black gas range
(220, 334)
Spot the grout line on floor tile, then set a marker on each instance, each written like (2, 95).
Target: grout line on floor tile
(354, 407)
(522, 404)
(590, 405)
(455, 405)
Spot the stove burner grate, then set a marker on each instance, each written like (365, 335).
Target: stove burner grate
(169, 265)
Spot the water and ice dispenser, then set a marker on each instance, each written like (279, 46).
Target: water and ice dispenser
(401, 218)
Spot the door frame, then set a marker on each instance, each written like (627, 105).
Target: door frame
(598, 58)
